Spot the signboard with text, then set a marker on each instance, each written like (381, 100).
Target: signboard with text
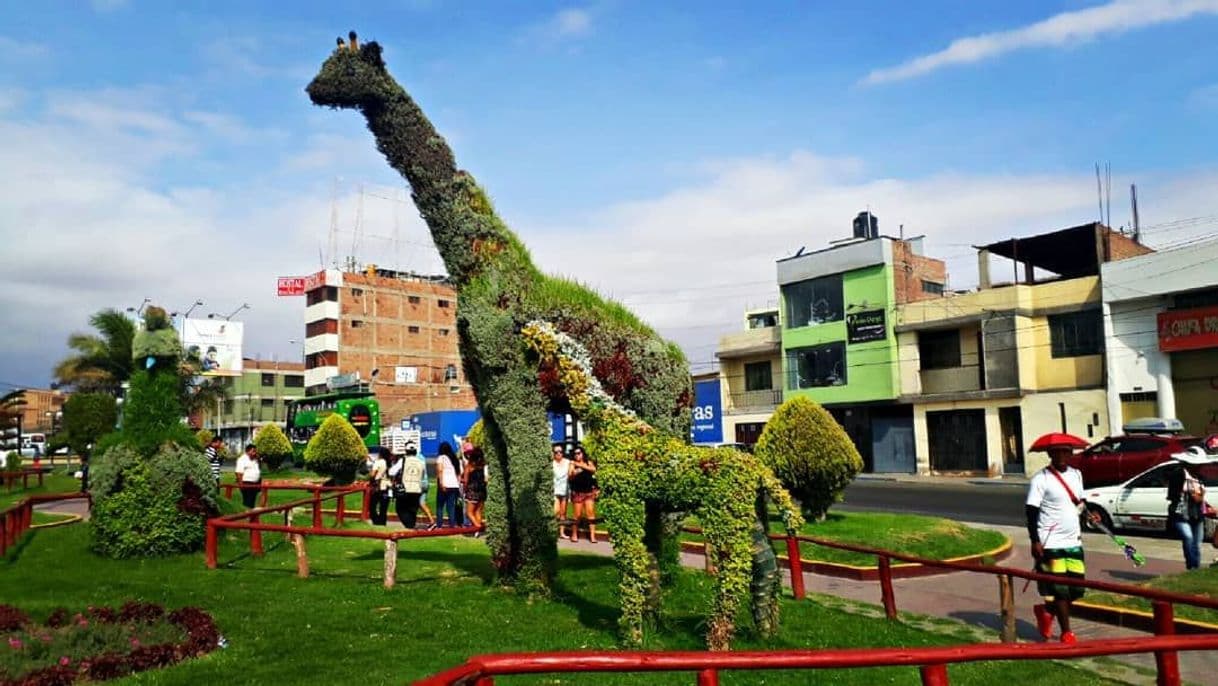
(708, 413)
(216, 343)
(862, 327)
(1188, 329)
(291, 285)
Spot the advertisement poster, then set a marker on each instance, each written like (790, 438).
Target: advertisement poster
(708, 413)
(217, 342)
(291, 285)
(862, 327)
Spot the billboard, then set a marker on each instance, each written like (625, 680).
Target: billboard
(217, 342)
(291, 285)
(708, 413)
(862, 327)
(1194, 329)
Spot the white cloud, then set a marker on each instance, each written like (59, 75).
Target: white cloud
(13, 50)
(564, 26)
(1076, 26)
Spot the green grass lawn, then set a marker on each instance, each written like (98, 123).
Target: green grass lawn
(1202, 582)
(341, 627)
(50, 517)
(931, 537)
(58, 481)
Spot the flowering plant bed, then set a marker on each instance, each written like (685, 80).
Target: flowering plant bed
(99, 643)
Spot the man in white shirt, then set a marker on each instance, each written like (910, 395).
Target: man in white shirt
(243, 462)
(1053, 508)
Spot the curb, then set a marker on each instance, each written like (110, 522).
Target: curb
(68, 519)
(900, 570)
(1136, 619)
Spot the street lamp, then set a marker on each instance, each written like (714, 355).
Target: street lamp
(140, 310)
(190, 309)
(244, 306)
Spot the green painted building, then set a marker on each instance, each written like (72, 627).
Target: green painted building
(838, 347)
(259, 396)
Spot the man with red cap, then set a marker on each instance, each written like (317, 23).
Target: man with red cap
(1053, 507)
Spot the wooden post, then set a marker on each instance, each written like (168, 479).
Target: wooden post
(302, 556)
(288, 514)
(316, 508)
(391, 562)
(796, 564)
(886, 594)
(211, 545)
(934, 675)
(266, 494)
(708, 677)
(1006, 605)
(256, 538)
(1167, 662)
(365, 508)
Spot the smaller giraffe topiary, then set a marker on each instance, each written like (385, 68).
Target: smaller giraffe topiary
(640, 467)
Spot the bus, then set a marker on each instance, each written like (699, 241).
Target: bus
(305, 415)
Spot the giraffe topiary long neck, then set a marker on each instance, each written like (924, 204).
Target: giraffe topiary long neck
(458, 213)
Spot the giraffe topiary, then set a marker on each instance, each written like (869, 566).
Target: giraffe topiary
(636, 466)
(499, 289)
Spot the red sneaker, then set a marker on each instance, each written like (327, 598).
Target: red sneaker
(1044, 621)
(1069, 638)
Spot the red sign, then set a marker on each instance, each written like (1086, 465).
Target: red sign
(1188, 329)
(315, 281)
(291, 285)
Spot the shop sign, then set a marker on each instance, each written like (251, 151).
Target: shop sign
(1188, 329)
(707, 427)
(291, 285)
(862, 327)
(314, 281)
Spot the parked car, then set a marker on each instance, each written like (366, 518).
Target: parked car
(1141, 502)
(1146, 443)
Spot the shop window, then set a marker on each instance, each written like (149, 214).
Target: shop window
(758, 376)
(817, 366)
(816, 301)
(268, 379)
(1075, 334)
(939, 349)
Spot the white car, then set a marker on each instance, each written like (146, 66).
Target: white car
(1141, 502)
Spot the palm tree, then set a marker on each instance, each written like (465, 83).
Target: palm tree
(102, 361)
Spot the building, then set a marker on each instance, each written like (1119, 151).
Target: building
(837, 345)
(750, 376)
(43, 410)
(393, 330)
(990, 370)
(259, 396)
(1161, 334)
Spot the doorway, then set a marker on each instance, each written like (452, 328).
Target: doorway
(1010, 422)
(957, 440)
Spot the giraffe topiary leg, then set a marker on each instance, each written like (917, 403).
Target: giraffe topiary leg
(766, 584)
(626, 521)
(727, 531)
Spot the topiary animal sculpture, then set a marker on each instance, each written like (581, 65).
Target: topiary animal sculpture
(499, 290)
(638, 466)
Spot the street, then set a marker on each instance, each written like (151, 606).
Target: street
(966, 500)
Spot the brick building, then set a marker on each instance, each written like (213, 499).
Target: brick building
(397, 331)
(42, 410)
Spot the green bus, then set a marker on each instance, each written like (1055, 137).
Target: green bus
(305, 415)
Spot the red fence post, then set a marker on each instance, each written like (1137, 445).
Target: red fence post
(266, 494)
(340, 512)
(256, 538)
(365, 508)
(3, 532)
(934, 675)
(485, 681)
(316, 508)
(797, 570)
(1167, 662)
(211, 546)
(889, 598)
(708, 677)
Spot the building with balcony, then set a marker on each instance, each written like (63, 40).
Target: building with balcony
(989, 371)
(750, 373)
(1161, 335)
(258, 397)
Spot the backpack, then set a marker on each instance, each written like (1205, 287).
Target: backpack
(412, 475)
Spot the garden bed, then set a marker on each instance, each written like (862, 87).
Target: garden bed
(99, 643)
(1203, 582)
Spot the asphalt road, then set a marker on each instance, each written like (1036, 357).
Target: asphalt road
(964, 501)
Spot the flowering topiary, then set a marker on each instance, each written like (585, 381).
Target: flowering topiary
(273, 447)
(336, 450)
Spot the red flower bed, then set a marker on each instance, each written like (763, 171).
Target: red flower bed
(99, 643)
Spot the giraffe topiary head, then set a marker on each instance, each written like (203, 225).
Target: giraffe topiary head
(354, 76)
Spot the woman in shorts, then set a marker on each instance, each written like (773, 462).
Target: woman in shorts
(582, 483)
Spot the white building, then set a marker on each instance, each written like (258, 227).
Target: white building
(1161, 335)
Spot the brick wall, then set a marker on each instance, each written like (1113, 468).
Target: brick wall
(1120, 247)
(910, 270)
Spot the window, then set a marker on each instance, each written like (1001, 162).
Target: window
(228, 407)
(323, 294)
(443, 332)
(1075, 334)
(321, 326)
(357, 292)
(413, 299)
(450, 372)
(412, 329)
(817, 301)
(939, 349)
(326, 358)
(442, 303)
(763, 320)
(268, 379)
(757, 376)
(293, 381)
(818, 365)
(932, 287)
(357, 323)
(268, 402)
(1154, 479)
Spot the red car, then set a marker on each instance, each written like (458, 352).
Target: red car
(1146, 443)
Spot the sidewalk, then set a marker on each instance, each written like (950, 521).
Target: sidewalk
(1012, 480)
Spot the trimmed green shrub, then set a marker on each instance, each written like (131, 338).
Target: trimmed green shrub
(150, 506)
(204, 437)
(273, 447)
(810, 453)
(152, 414)
(12, 461)
(336, 450)
(86, 418)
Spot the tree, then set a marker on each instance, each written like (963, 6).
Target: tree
(336, 450)
(102, 361)
(86, 418)
(273, 447)
(810, 453)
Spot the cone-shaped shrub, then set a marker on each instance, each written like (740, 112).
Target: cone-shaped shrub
(336, 450)
(810, 453)
(273, 447)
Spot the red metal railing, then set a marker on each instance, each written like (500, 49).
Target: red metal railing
(480, 670)
(24, 474)
(17, 519)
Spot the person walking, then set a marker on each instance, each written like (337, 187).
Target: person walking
(378, 479)
(409, 476)
(448, 485)
(473, 480)
(214, 454)
(562, 488)
(249, 475)
(1186, 505)
(582, 483)
(1053, 508)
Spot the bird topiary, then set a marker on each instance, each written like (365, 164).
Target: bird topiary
(273, 447)
(810, 453)
(336, 450)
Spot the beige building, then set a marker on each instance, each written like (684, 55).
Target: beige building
(750, 371)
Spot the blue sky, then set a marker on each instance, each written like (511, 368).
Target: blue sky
(632, 146)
